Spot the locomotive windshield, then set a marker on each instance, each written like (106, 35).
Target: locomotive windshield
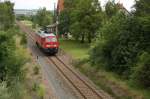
(45, 30)
(49, 29)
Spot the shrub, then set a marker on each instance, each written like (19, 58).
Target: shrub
(112, 48)
(23, 39)
(142, 72)
(35, 87)
(16, 90)
(36, 70)
(4, 91)
(41, 91)
(123, 38)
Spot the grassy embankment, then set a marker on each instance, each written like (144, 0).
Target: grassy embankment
(74, 48)
(33, 78)
(105, 80)
(32, 84)
(28, 83)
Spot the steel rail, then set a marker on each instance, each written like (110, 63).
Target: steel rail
(89, 86)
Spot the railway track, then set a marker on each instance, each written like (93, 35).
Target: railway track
(86, 90)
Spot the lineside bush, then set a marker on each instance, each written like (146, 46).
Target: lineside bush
(142, 72)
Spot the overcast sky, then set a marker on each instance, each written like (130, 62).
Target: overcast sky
(49, 4)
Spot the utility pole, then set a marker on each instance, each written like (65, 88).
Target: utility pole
(56, 19)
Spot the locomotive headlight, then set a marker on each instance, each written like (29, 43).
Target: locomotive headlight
(48, 45)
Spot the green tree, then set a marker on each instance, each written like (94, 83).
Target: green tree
(110, 50)
(124, 39)
(142, 71)
(142, 7)
(7, 47)
(86, 19)
(111, 9)
(43, 18)
(11, 59)
(7, 15)
(65, 16)
(142, 16)
(64, 22)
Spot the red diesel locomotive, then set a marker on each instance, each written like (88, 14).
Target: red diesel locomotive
(47, 41)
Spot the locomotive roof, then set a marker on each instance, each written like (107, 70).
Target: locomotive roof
(44, 34)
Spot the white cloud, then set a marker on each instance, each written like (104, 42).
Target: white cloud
(34, 4)
(49, 4)
(126, 3)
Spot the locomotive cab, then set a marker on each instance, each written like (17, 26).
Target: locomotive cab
(47, 41)
(51, 44)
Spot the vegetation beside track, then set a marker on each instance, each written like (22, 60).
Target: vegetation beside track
(74, 48)
(102, 78)
(15, 60)
(27, 23)
(120, 42)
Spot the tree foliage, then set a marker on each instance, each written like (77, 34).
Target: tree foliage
(65, 16)
(6, 15)
(4, 91)
(7, 46)
(43, 17)
(122, 40)
(81, 19)
(11, 58)
(142, 71)
(110, 9)
(12, 55)
(24, 17)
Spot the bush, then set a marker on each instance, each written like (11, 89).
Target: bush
(123, 38)
(7, 16)
(23, 39)
(4, 91)
(36, 70)
(6, 50)
(112, 50)
(142, 72)
(39, 89)
(17, 90)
